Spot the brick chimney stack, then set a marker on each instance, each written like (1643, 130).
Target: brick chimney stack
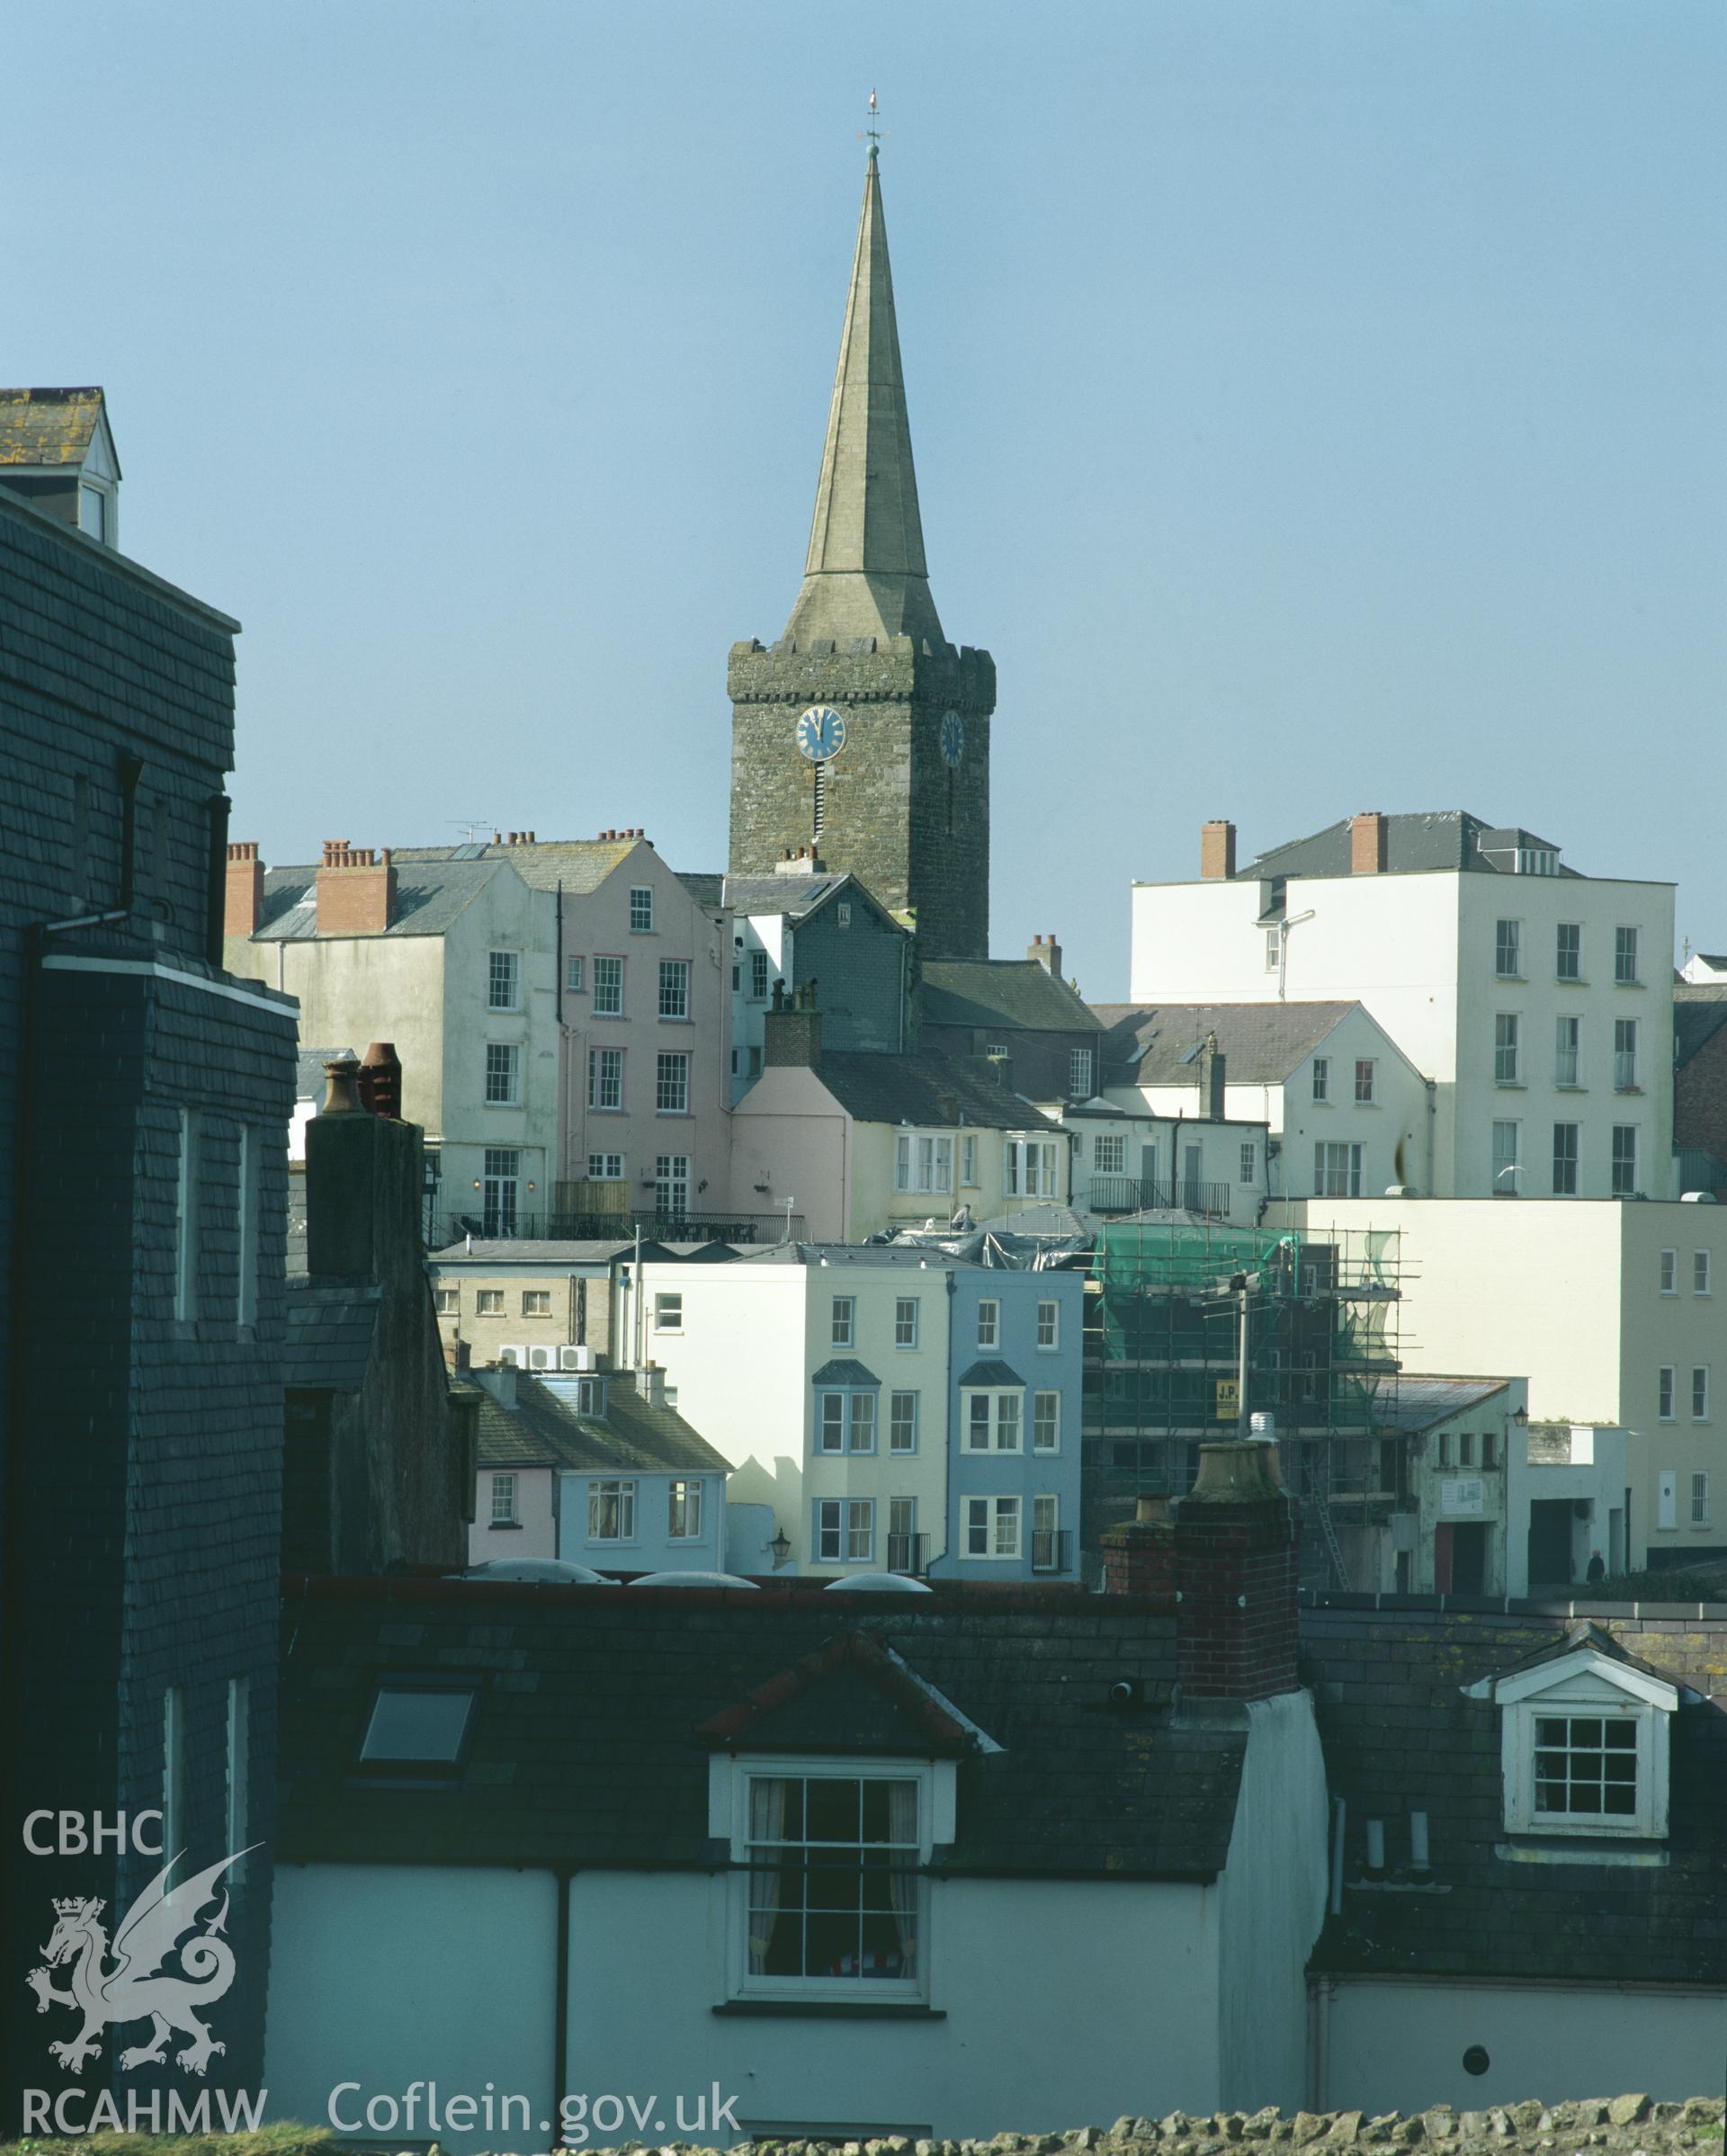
(356, 890)
(1367, 836)
(1047, 951)
(1216, 851)
(1235, 1545)
(243, 903)
(1139, 1554)
(792, 1029)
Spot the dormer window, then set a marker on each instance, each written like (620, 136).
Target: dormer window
(1584, 1743)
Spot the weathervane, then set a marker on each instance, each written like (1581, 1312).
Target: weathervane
(873, 133)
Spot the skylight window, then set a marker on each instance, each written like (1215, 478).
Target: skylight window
(418, 1724)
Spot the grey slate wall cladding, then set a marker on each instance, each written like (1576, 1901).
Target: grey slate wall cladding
(860, 973)
(142, 1456)
(889, 817)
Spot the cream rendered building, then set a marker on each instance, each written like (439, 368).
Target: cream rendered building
(1613, 1311)
(1539, 1001)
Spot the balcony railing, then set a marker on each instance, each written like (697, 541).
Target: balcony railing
(1052, 1549)
(506, 1224)
(908, 1554)
(1147, 1193)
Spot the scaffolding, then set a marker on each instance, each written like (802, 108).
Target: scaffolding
(1192, 1328)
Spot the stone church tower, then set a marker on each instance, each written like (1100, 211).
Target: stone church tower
(863, 732)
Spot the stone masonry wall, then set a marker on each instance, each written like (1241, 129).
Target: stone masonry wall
(888, 816)
(1620, 2126)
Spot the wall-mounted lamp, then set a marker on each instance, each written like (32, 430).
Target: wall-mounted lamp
(781, 1547)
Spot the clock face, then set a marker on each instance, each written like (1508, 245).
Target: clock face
(820, 732)
(952, 739)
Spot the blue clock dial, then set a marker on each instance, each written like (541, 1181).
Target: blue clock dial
(821, 733)
(952, 739)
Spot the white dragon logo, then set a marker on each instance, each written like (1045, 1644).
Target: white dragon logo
(135, 1989)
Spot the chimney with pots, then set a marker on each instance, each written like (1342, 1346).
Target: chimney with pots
(380, 1080)
(792, 1029)
(1235, 1544)
(1140, 1554)
(1216, 851)
(1047, 952)
(356, 890)
(1367, 836)
(242, 904)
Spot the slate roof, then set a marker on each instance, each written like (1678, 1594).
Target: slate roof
(844, 1370)
(544, 1430)
(525, 1250)
(429, 895)
(330, 1331)
(709, 891)
(1417, 1403)
(992, 1373)
(1261, 1043)
(1445, 838)
(798, 897)
(48, 427)
(579, 865)
(933, 1091)
(587, 1742)
(309, 1080)
(1015, 994)
(1399, 1736)
(1698, 1017)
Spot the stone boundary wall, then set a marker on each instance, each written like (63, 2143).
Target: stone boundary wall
(1620, 2126)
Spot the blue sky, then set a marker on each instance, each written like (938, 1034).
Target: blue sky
(1319, 406)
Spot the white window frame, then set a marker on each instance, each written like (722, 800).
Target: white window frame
(1699, 1497)
(1627, 956)
(672, 1081)
(758, 975)
(503, 970)
(728, 1809)
(842, 1322)
(1273, 947)
(1667, 1393)
(488, 1303)
(503, 1069)
(1326, 1165)
(607, 999)
(1506, 1168)
(989, 1321)
(1586, 1685)
(1366, 1082)
(1575, 972)
(536, 1302)
(603, 1063)
(1109, 1153)
(1568, 1052)
(1668, 1272)
(505, 1491)
(1030, 1169)
(969, 1161)
(1046, 1414)
(641, 910)
(858, 1434)
(1248, 1163)
(906, 1326)
(1321, 1086)
(574, 977)
(620, 1489)
(923, 1162)
(1702, 1273)
(1079, 1074)
(999, 1507)
(1623, 1163)
(1507, 950)
(683, 1503)
(610, 1169)
(897, 1421)
(1699, 1392)
(675, 990)
(854, 1525)
(1005, 1429)
(1507, 1047)
(1572, 1164)
(1048, 1326)
(668, 1309)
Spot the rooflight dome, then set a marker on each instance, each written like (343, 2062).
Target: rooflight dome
(550, 1572)
(878, 1583)
(694, 1580)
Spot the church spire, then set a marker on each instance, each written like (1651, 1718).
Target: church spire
(865, 574)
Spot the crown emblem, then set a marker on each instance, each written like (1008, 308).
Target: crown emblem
(73, 1906)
